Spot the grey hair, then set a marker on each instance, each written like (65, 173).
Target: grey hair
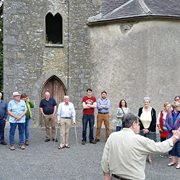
(129, 119)
(147, 98)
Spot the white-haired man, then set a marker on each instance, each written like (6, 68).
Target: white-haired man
(65, 115)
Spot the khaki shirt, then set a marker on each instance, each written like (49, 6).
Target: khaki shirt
(125, 153)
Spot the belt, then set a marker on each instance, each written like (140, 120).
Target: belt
(103, 113)
(66, 117)
(118, 177)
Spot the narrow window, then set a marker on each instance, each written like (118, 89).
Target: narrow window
(54, 29)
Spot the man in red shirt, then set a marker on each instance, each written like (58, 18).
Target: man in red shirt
(89, 104)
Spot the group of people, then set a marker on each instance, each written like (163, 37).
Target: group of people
(63, 116)
(19, 112)
(126, 152)
(127, 125)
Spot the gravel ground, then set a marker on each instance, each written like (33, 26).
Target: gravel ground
(42, 160)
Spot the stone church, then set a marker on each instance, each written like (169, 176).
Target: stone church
(130, 48)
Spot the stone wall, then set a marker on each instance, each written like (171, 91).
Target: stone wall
(80, 59)
(136, 59)
(128, 59)
(29, 62)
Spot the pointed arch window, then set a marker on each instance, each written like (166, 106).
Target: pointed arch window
(54, 29)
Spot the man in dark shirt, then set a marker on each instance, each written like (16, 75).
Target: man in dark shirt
(3, 117)
(48, 108)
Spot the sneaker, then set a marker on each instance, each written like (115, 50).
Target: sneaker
(93, 142)
(61, 147)
(22, 146)
(83, 142)
(46, 140)
(67, 146)
(26, 143)
(12, 147)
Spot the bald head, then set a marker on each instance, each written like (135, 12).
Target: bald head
(47, 95)
(66, 99)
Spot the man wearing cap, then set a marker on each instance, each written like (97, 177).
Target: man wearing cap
(16, 110)
(3, 117)
(48, 107)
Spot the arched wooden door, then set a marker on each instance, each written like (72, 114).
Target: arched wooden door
(56, 88)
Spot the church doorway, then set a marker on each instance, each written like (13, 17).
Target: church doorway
(56, 88)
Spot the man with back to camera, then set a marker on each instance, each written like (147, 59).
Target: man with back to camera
(89, 104)
(125, 152)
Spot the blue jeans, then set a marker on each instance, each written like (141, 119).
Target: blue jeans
(27, 128)
(21, 127)
(2, 126)
(85, 120)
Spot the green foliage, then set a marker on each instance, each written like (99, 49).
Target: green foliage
(1, 49)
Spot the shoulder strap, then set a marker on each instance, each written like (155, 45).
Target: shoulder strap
(122, 110)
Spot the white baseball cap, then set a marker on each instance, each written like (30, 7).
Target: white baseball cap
(16, 94)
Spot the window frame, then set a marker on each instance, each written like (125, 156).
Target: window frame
(45, 30)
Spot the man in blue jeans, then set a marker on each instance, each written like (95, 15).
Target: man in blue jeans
(89, 104)
(16, 110)
(3, 117)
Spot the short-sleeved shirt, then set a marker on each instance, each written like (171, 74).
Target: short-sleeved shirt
(17, 108)
(48, 106)
(90, 101)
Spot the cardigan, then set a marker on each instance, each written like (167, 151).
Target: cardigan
(152, 126)
(172, 124)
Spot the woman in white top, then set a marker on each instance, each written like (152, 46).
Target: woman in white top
(147, 116)
(121, 111)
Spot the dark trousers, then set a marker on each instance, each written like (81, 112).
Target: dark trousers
(85, 120)
(2, 127)
(118, 128)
